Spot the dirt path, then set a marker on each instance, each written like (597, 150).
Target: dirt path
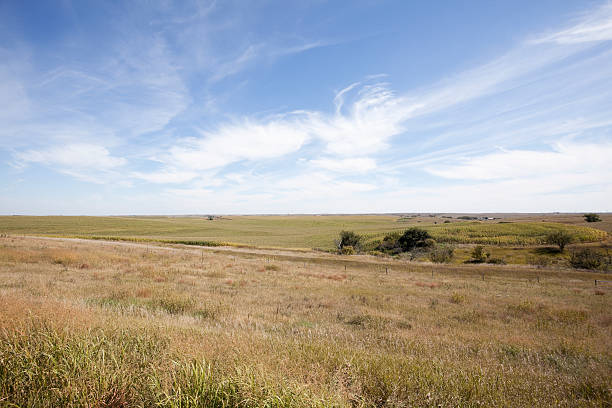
(198, 248)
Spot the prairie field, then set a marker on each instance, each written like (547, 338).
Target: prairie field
(118, 324)
(308, 231)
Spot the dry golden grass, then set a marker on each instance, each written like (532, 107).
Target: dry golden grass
(242, 329)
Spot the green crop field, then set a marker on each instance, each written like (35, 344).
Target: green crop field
(292, 231)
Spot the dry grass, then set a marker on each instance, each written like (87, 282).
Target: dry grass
(178, 327)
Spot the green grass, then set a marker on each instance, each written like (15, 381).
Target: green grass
(286, 231)
(523, 233)
(45, 367)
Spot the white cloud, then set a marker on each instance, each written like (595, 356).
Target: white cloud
(372, 119)
(165, 176)
(348, 165)
(73, 156)
(246, 140)
(517, 164)
(86, 162)
(256, 52)
(595, 26)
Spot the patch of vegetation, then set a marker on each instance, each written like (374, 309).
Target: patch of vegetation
(480, 255)
(167, 303)
(409, 240)
(441, 253)
(44, 367)
(503, 234)
(560, 239)
(348, 239)
(415, 238)
(457, 298)
(592, 217)
(590, 258)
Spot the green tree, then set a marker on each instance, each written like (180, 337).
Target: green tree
(390, 243)
(415, 238)
(559, 238)
(349, 239)
(592, 217)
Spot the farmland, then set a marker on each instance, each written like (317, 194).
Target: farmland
(516, 239)
(303, 232)
(124, 323)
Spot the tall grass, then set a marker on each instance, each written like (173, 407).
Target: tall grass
(45, 367)
(149, 327)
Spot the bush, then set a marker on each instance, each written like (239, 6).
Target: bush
(441, 253)
(591, 217)
(347, 250)
(589, 258)
(559, 238)
(414, 238)
(478, 254)
(390, 243)
(349, 239)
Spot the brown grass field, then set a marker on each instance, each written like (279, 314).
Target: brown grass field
(99, 324)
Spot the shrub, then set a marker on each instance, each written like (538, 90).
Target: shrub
(539, 261)
(347, 250)
(478, 254)
(441, 253)
(559, 238)
(414, 238)
(390, 243)
(457, 298)
(591, 217)
(349, 239)
(589, 258)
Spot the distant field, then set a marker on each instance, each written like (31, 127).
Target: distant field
(294, 231)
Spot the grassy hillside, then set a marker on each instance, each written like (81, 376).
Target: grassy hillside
(291, 231)
(109, 325)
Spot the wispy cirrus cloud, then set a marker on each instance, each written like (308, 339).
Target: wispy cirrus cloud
(84, 161)
(571, 158)
(257, 53)
(345, 165)
(591, 27)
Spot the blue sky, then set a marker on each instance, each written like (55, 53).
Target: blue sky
(305, 107)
